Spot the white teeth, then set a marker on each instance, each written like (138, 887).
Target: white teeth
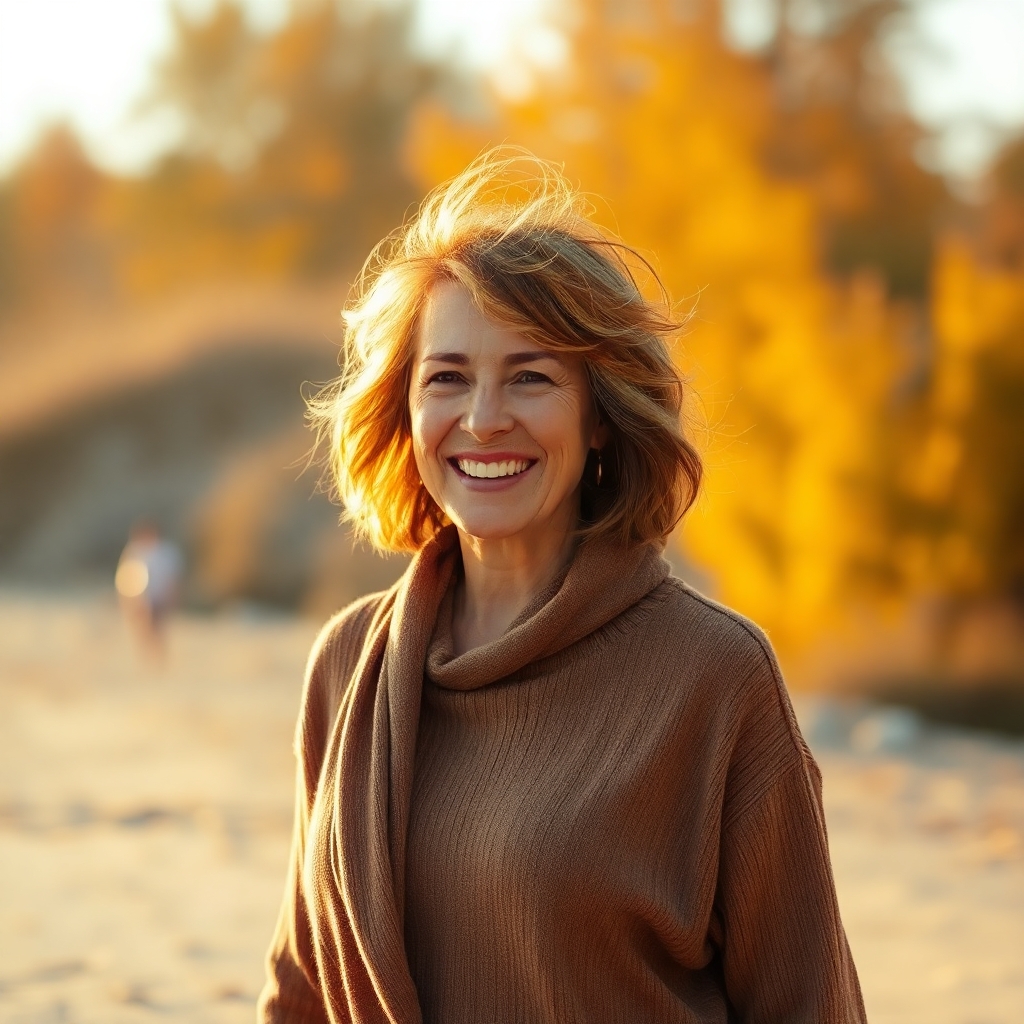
(490, 470)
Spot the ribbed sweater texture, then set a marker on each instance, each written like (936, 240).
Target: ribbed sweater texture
(606, 815)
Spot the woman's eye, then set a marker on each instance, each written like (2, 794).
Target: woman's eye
(532, 377)
(445, 377)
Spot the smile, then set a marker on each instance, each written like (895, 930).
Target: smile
(492, 470)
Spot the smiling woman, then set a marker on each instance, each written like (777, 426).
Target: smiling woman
(540, 780)
(539, 277)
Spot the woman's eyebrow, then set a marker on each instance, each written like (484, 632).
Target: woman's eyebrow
(458, 358)
(519, 358)
(513, 359)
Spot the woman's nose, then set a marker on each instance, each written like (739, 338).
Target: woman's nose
(487, 415)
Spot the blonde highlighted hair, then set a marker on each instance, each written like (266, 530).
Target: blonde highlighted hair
(513, 231)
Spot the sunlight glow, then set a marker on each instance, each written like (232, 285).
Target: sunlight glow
(89, 63)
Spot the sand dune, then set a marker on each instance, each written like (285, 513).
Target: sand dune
(145, 813)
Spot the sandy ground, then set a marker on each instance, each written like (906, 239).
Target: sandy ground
(144, 825)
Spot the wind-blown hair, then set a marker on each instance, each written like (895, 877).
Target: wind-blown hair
(517, 236)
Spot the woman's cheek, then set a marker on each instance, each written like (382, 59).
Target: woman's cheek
(428, 433)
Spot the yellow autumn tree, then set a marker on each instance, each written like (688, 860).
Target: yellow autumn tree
(959, 490)
(289, 163)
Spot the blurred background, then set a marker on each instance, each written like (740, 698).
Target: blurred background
(838, 185)
(188, 189)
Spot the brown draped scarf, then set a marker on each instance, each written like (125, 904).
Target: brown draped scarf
(366, 783)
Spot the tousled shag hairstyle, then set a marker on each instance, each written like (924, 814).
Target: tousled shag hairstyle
(515, 233)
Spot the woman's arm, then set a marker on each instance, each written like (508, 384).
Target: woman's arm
(292, 991)
(785, 956)
(784, 953)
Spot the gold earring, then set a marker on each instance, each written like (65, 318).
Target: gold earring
(599, 467)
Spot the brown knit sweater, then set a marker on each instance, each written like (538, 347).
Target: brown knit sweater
(607, 815)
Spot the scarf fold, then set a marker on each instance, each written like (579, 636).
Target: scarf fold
(375, 746)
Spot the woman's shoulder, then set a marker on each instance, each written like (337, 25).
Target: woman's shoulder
(342, 636)
(711, 633)
(725, 654)
(732, 660)
(332, 661)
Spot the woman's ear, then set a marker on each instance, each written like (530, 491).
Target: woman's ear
(601, 435)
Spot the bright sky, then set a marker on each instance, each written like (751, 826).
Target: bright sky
(88, 60)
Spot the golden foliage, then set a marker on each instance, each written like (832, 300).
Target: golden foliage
(962, 509)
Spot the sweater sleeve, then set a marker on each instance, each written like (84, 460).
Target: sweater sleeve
(784, 953)
(292, 991)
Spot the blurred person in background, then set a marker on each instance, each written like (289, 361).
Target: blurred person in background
(148, 582)
(540, 779)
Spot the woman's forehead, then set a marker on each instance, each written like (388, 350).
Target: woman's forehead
(452, 324)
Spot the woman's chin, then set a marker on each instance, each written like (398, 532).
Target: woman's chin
(488, 531)
(533, 524)
(495, 528)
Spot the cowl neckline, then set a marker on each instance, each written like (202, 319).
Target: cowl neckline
(374, 745)
(600, 582)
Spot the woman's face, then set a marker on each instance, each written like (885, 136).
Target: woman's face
(500, 426)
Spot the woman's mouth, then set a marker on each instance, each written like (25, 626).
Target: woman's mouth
(491, 470)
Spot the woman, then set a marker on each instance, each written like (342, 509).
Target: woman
(540, 779)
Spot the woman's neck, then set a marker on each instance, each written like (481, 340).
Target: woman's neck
(500, 578)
